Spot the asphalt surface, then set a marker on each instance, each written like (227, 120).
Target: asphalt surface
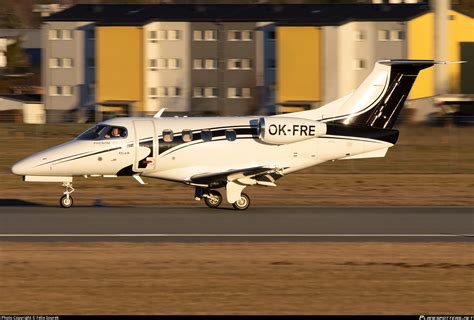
(257, 224)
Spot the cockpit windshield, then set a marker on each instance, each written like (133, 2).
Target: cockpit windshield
(103, 132)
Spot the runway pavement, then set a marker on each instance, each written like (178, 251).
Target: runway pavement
(258, 224)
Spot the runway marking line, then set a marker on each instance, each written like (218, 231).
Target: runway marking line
(226, 235)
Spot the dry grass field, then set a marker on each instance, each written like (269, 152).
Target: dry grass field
(236, 278)
(429, 166)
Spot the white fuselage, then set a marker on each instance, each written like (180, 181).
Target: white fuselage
(179, 160)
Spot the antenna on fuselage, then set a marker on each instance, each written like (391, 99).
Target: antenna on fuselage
(159, 113)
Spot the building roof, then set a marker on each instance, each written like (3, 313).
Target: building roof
(286, 14)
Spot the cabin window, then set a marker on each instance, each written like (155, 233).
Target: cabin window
(206, 135)
(187, 135)
(167, 135)
(230, 135)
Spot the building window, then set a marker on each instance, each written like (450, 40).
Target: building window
(359, 35)
(161, 35)
(238, 93)
(234, 35)
(234, 64)
(230, 135)
(152, 92)
(54, 63)
(384, 35)
(246, 64)
(67, 63)
(60, 90)
(210, 92)
(204, 35)
(198, 92)
(54, 34)
(397, 35)
(239, 64)
(152, 36)
(60, 63)
(169, 92)
(163, 91)
(162, 63)
(197, 35)
(197, 64)
(210, 35)
(174, 63)
(359, 64)
(187, 135)
(67, 34)
(210, 64)
(239, 35)
(176, 91)
(206, 135)
(246, 35)
(152, 64)
(67, 90)
(174, 35)
(205, 92)
(167, 135)
(54, 90)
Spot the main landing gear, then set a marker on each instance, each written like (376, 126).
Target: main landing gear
(66, 200)
(243, 203)
(213, 199)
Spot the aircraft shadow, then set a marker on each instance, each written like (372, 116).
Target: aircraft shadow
(18, 203)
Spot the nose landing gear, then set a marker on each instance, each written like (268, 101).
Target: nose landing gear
(66, 200)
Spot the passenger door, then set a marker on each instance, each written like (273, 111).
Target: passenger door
(145, 145)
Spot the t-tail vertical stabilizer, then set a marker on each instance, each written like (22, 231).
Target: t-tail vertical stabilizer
(377, 102)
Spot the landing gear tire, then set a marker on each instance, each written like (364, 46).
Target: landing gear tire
(243, 203)
(214, 200)
(66, 201)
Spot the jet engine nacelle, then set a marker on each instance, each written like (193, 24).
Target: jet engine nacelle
(276, 130)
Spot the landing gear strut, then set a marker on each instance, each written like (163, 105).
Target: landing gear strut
(66, 200)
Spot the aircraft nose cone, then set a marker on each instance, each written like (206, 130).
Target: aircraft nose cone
(19, 168)
(25, 166)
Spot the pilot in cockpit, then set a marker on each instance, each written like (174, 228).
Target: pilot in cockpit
(113, 133)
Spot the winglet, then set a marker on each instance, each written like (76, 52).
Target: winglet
(159, 113)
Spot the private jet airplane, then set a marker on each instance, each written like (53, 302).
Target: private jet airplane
(210, 153)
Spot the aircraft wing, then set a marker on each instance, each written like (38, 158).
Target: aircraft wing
(247, 176)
